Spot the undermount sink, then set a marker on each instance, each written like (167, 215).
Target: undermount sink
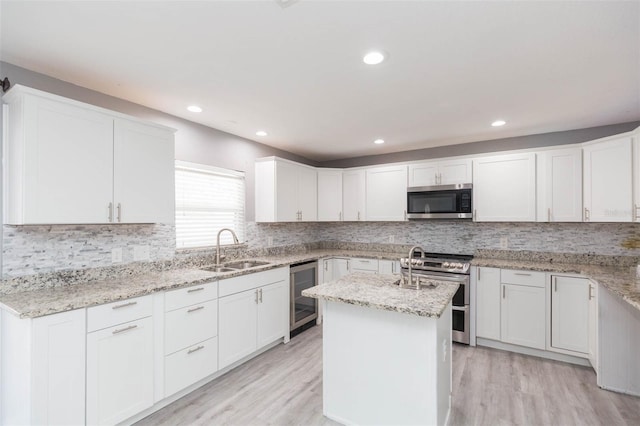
(246, 264)
(219, 269)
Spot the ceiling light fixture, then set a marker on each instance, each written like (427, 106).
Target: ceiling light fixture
(194, 108)
(379, 141)
(373, 58)
(498, 123)
(261, 133)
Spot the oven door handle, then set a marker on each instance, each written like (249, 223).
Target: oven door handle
(460, 308)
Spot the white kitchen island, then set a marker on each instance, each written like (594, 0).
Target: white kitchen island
(386, 351)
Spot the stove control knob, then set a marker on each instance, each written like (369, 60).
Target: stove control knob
(458, 266)
(446, 265)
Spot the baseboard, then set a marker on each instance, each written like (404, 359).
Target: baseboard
(532, 352)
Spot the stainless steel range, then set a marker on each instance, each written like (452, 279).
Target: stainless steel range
(444, 267)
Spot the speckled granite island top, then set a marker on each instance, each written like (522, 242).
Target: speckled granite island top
(381, 292)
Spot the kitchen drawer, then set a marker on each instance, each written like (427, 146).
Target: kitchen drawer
(364, 265)
(176, 299)
(103, 316)
(529, 278)
(189, 365)
(190, 325)
(251, 281)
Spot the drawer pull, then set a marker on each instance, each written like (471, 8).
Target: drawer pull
(195, 289)
(124, 305)
(195, 309)
(122, 330)
(364, 261)
(190, 351)
(522, 273)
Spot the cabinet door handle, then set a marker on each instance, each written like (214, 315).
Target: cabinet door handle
(110, 212)
(358, 215)
(405, 215)
(478, 278)
(549, 214)
(587, 217)
(195, 309)
(347, 265)
(124, 305)
(555, 284)
(260, 295)
(190, 351)
(475, 214)
(635, 212)
(503, 292)
(122, 330)
(590, 292)
(119, 212)
(193, 290)
(524, 274)
(440, 178)
(340, 216)
(436, 176)
(326, 265)
(393, 268)
(256, 299)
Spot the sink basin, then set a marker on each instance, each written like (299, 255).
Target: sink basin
(245, 264)
(219, 269)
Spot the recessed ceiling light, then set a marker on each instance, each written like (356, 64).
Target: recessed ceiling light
(261, 133)
(373, 57)
(379, 141)
(194, 108)
(498, 123)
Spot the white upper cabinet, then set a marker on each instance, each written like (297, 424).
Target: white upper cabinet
(440, 172)
(285, 191)
(329, 195)
(607, 181)
(353, 195)
(386, 189)
(69, 162)
(504, 188)
(559, 185)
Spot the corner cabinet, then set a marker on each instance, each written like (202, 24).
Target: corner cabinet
(353, 195)
(285, 191)
(329, 195)
(504, 188)
(72, 163)
(386, 193)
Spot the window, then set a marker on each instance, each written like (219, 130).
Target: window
(207, 200)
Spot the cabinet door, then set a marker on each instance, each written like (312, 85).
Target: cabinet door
(144, 173)
(67, 169)
(340, 268)
(388, 266)
(504, 188)
(570, 313)
(607, 181)
(286, 192)
(386, 193)
(559, 185)
(488, 303)
(325, 274)
(353, 195)
(522, 313)
(454, 171)
(423, 174)
(237, 332)
(593, 325)
(329, 195)
(273, 312)
(119, 372)
(308, 193)
(58, 368)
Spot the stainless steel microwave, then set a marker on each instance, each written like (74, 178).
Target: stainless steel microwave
(440, 202)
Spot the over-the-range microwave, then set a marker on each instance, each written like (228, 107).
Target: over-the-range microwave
(440, 202)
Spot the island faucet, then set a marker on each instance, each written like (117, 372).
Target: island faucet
(235, 241)
(410, 262)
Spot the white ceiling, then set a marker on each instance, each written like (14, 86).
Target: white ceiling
(297, 72)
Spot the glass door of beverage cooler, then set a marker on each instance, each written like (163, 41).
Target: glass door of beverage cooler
(303, 309)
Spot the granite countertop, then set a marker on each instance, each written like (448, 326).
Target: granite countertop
(47, 300)
(382, 292)
(620, 280)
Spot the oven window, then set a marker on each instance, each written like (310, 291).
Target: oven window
(458, 298)
(434, 202)
(458, 320)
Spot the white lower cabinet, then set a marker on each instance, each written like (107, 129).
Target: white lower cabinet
(593, 326)
(570, 299)
(522, 319)
(43, 369)
(488, 303)
(187, 366)
(388, 266)
(253, 312)
(120, 371)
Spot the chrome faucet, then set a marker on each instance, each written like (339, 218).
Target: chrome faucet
(410, 262)
(235, 241)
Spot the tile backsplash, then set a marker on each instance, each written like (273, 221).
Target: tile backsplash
(47, 248)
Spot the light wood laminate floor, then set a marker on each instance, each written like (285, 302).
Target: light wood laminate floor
(283, 386)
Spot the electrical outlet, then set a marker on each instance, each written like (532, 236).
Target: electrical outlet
(116, 255)
(141, 253)
(504, 243)
(269, 241)
(392, 239)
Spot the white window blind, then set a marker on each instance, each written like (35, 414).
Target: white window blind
(207, 200)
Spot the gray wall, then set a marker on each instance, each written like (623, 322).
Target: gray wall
(482, 147)
(194, 142)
